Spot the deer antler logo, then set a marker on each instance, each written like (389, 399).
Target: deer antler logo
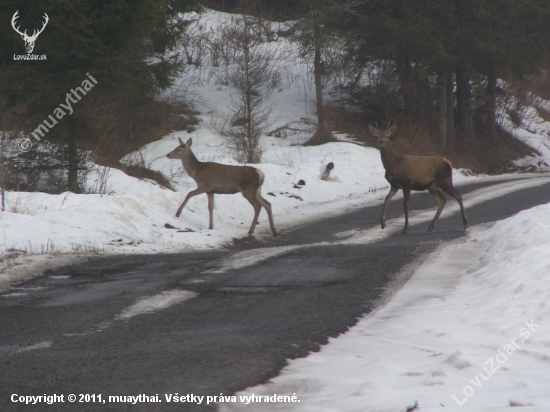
(29, 40)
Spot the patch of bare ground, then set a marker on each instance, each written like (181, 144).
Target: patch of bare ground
(323, 134)
(119, 138)
(480, 153)
(18, 267)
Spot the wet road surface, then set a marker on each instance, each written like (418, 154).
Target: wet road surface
(62, 333)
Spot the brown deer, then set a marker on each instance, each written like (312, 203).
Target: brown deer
(408, 172)
(215, 178)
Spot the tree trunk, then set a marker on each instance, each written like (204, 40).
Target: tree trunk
(249, 141)
(491, 104)
(463, 104)
(443, 108)
(73, 164)
(404, 72)
(317, 69)
(450, 111)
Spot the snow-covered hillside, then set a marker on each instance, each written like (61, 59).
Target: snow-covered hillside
(534, 131)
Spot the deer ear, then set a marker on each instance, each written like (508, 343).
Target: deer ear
(392, 130)
(180, 141)
(372, 130)
(189, 142)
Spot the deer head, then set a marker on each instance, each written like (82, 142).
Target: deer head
(181, 151)
(383, 136)
(29, 40)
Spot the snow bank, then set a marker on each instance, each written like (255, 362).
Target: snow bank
(469, 331)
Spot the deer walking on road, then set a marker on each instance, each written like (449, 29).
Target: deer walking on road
(215, 178)
(408, 172)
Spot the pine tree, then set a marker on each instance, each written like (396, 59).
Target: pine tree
(127, 46)
(317, 35)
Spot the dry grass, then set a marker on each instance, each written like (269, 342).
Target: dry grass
(479, 154)
(544, 114)
(351, 122)
(123, 131)
(142, 172)
(322, 135)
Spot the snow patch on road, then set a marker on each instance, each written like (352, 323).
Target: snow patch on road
(155, 303)
(41, 345)
(145, 305)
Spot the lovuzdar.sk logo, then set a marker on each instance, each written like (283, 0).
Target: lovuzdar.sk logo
(29, 40)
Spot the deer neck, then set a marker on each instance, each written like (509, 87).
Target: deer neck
(389, 157)
(191, 164)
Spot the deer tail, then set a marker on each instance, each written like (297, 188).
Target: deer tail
(261, 176)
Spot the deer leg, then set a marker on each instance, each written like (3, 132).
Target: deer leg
(192, 193)
(257, 207)
(406, 201)
(393, 191)
(211, 209)
(456, 194)
(267, 207)
(436, 193)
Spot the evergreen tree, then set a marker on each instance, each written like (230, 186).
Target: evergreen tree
(126, 46)
(501, 38)
(432, 39)
(317, 34)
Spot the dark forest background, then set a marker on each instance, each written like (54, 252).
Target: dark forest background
(431, 66)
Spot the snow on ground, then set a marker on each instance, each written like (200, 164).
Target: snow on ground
(431, 342)
(293, 103)
(534, 131)
(469, 331)
(132, 217)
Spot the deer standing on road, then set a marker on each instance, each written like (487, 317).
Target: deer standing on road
(214, 178)
(408, 172)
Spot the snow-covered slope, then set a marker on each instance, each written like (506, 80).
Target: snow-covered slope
(532, 130)
(469, 331)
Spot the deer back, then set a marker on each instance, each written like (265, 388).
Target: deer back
(416, 172)
(216, 177)
(226, 179)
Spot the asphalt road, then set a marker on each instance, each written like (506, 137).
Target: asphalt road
(240, 329)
